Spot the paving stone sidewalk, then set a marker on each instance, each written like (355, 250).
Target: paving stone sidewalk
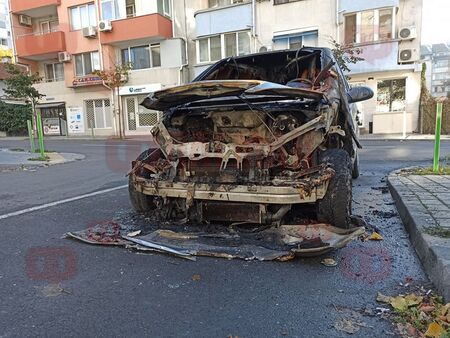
(423, 202)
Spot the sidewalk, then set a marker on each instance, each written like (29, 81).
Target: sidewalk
(17, 159)
(423, 203)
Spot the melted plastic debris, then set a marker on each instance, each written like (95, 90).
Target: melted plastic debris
(265, 244)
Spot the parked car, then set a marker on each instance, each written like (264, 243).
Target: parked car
(259, 138)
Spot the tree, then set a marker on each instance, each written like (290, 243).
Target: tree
(20, 85)
(346, 54)
(114, 78)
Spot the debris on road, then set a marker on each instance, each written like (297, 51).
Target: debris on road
(276, 243)
(330, 262)
(375, 236)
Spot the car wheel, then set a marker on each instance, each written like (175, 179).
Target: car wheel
(355, 169)
(336, 206)
(140, 202)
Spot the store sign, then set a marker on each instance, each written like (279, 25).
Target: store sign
(51, 126)
(142, 89)
(75, 120)
(87, 81)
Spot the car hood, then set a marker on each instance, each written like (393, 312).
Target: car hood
(195, 91)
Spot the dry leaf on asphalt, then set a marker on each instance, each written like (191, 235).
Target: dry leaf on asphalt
(383, 299)
(196, 278)
(375, 236)
(330, 262)
(435, 330)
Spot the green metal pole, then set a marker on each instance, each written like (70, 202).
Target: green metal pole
(40, 135)
(31, 136)
(437, 139)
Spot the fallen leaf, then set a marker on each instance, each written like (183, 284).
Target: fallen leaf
(134, 233)
(412, 299)
(330, 262)
(376, 236)
(445, 309)
(427, 308)
(383, 299)
(399, 303)
(434, 330)
(196, 278)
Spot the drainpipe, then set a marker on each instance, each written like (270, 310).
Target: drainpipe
(13, 36)
(254, 24)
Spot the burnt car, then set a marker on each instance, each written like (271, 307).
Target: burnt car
(259, 139)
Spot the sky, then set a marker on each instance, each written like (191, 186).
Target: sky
(436, 21)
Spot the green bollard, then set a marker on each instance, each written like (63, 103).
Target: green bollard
(437, 139)
(31, 136)
(40, 135)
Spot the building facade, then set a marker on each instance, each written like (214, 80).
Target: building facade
(170, 42)
(437, 58)
(65, 41)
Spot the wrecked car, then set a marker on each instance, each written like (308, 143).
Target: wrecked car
(258, 139)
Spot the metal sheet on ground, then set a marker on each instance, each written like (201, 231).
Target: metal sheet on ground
(275, 243)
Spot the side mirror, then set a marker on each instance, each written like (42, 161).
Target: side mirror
(357, 94)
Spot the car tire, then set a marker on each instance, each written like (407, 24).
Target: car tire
(141, 203)
(335, 208)
(355, 169)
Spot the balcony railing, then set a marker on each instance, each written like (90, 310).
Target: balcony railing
(34, 45)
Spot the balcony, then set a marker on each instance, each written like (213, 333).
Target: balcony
(349, 6)
(33, 8)
(40, 46)
(224, 19)
(152, 26)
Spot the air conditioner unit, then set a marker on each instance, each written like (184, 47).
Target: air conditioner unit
(408, 55)
(105, 26)
(24, 20)
(407, 33)
(266, 48)
(90, 32)
(64, 57)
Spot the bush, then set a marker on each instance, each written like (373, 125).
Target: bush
(13, 118)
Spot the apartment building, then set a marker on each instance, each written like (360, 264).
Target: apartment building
(387, 31)
(6, 52)
(66, 40)
(437, 58)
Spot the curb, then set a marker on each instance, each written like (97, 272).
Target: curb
(433, 252)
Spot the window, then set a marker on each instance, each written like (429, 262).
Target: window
(350, 29)
(280, 2)
(391, 95)
(166, 7)
(110, 9)
(82, 16)
(217, 47)
(98, 113)
(4, 42)
(86, 63)
(369, 26)
(142, 57)
(49, 26)
(54, 72)
(297, 41)
(221, 3)
(130, 8)
(385, 24)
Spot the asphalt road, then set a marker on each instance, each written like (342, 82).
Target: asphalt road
(107, 291)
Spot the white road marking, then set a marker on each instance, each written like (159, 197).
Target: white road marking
(67, 200)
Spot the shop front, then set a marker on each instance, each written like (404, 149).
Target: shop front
(54, 118)
(138, 120)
